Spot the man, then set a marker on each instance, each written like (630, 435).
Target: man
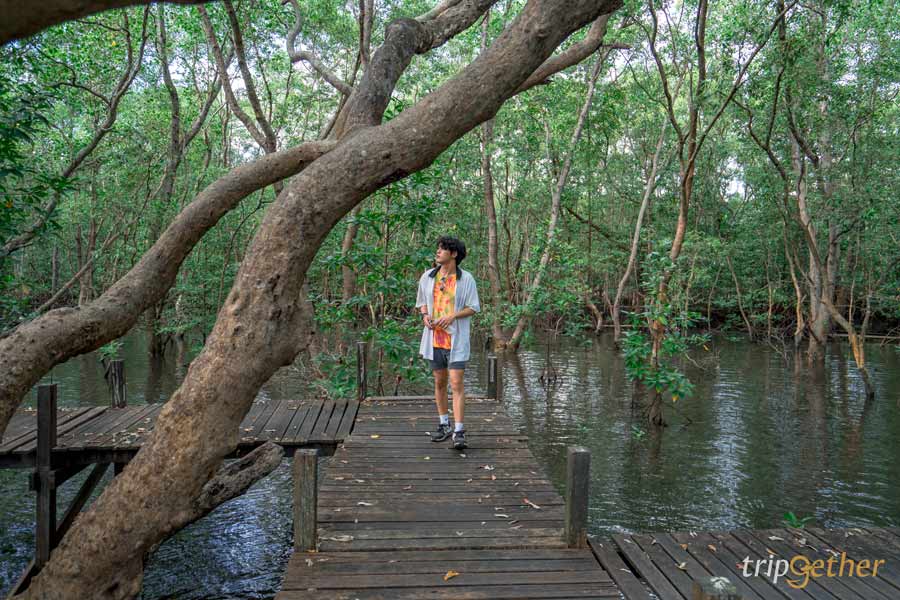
(447, 299)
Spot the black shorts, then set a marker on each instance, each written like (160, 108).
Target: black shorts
(441, 361)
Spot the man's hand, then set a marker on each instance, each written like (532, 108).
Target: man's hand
(427, 319)
(445, 322)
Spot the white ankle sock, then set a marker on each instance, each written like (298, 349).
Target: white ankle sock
(459, 426)
(445, 419)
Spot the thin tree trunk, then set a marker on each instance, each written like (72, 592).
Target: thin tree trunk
(649, 187)
(556, 199)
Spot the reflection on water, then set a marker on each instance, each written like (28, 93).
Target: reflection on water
(757, 439)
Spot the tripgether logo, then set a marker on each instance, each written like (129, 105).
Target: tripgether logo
(805, 569)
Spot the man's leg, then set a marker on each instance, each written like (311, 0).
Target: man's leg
(440, 391)
(459, 408)
(459, 396)
(440, 400)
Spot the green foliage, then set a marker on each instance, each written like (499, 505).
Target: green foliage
(792, 520)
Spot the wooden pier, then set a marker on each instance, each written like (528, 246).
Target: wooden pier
(673, 565)
(402, 517)
(99, 434)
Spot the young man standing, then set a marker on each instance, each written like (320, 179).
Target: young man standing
(447, 299)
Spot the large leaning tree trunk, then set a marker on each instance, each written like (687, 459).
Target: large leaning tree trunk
(257, 328)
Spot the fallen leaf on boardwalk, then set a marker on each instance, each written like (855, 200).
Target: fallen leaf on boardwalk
(468, 481)
(515, 484)
(487, 468)
(531, 504)
(772, 552)
(683, 566)
(450, 575)
(775, 538)
(427, 458)
(459, 533)
(374, 436)
(479, 501)
(338, 478)
(359, 480)
(462, 455)
(654, 542)
(494, 478)
(344, 462)
(364, 504)
(309, 562)
(684, 546)
(340, 538)
(514, 521)
(711, 548)
(338, 509)
(409, 487)
(501, 516)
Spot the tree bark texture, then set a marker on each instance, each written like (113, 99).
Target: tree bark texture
(257, 330)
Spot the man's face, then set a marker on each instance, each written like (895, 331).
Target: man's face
(443, 256)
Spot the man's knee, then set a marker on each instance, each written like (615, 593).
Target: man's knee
(440, 378)
(456, 380)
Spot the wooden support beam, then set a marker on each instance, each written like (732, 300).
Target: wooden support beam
(116, 380)
(493, 377)
(578, 473)
(362, 368)
(714, 588)
(87, 488)
(45, 524)
(305, 500)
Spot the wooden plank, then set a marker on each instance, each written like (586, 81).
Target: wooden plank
(301, 570)
(347, 421)
(627, 582)
(447, 543)
(290, 434)
(308, 423)
(251, 433)
(278, 422)
(340, 407)
(329, 581)
(493, 592)
(646, 568)
(318, 432)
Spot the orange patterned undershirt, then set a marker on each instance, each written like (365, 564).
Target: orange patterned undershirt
(444, 304)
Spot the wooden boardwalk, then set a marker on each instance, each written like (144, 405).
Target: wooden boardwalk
(102, 434)
(670, 563)
(402, 517)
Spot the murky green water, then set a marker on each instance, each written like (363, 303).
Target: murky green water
(757, 439)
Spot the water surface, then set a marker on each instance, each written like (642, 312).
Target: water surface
(758, 438)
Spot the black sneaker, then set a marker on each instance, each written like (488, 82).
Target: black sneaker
(459, 439)
(442, 433)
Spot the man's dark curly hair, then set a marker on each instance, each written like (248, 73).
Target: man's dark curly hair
(453, 245)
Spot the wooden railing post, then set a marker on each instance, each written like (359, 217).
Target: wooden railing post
(361, 371)
(578, 473)
(715, 588)
(305, 500)
(116, 379)
(45, 525)
(493, 378)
